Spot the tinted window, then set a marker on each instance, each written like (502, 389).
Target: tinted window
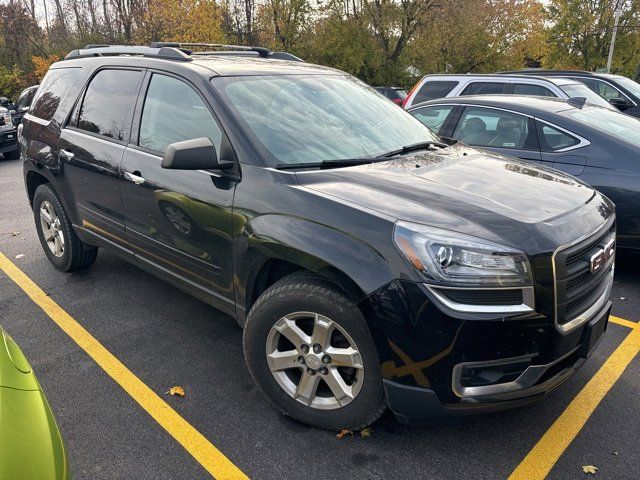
(537, 90)
(552, 139)
(108, 103)
(434, 89)
(174, 112)
(484, 88)
(487, 127)
(604, 89)
(433, 117)
(392, 93)
(54, 88)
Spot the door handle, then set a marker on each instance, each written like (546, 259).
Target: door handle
(132, 177)
(66, 154)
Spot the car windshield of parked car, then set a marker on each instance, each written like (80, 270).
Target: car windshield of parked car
(624, 127)
(633, 87)
(310, 119)
(575, 90)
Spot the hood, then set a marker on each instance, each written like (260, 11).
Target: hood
(474, 192)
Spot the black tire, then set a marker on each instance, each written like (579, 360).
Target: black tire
(305, 292)
(76, 255)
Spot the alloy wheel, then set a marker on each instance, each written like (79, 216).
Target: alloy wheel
(315, 360)
(51, 228)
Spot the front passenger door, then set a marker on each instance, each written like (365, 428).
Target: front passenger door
(179, 222)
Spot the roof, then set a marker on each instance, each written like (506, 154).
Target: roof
(223, 60)
(523, 103)
(500, 77)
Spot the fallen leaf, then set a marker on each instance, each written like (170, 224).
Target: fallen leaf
(15, 234)
(365, 432)
(623, 298)
(615, 453)
(343, 433)
(176, 391)
(589, 469)
(21, 255)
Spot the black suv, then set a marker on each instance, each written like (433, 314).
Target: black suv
(369, 263)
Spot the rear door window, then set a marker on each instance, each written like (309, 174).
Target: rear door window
(488, 127)
(108, 103)
(432, 90)
(528, 89)
(433, 116)
(52, 90)
(174, 112)
(484, 88)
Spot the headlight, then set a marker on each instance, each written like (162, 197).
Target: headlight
(450, 258)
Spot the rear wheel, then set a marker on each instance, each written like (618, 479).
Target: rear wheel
(309, 350)
(59, 242)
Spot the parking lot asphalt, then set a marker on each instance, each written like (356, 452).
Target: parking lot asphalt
(167, 338)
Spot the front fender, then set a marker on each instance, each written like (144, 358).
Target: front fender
(309, 245)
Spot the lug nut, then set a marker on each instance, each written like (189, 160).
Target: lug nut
(324, 370)
(317, 348)
(311, 371)
(326, 359)
(301, 360)
(305, 349)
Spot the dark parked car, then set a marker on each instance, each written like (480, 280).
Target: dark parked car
(369, 263)
(622, 92)
(395, 94)
(599, 146)
(8, 136)
(23, 103)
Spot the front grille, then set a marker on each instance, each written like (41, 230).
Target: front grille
(577, 287)
(484, 297)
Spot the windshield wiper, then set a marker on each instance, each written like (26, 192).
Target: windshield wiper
(414, 147)
(340, 162)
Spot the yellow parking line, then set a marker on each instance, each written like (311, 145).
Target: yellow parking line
(623, 322)
(212, 459)
(544, 455)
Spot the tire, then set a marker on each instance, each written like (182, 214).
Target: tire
(75, 254)
(310, 295)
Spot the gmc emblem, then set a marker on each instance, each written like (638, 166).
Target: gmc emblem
(600, 257)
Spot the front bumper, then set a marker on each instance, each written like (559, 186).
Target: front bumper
(412, 404)
(8, 141)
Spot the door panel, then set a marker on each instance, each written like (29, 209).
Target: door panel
(91, 177)
(179, 223)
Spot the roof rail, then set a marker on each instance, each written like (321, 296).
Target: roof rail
(94, 50)
(545, 71)
(177, 51)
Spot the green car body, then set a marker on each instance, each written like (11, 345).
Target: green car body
(30, 443)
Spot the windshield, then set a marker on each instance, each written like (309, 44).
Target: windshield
(633, 87)
(580, 90)
(619, 125)
(309, 119)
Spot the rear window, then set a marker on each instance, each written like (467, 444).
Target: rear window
(54, 88)
(434, 89)
(484, 88)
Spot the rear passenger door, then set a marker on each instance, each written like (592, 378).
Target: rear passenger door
(91, 148)
(559, 148)
(504, 132)
(179, 222)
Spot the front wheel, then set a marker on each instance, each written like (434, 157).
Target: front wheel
(309, 350)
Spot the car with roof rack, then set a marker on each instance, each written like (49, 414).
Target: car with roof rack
(620, 91)
(346, 239)
(599, 146)
(432, 87)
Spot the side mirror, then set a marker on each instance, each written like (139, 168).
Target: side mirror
(620, 103)
(195, 154)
